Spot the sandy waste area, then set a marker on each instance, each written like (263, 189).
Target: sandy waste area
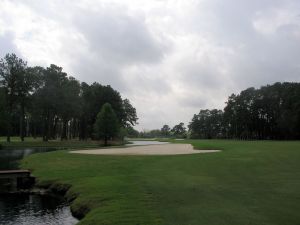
(166, 149)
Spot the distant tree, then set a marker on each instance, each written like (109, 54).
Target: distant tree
(207, 124)
(165, 130)
(106, 125)
(3, 112)
(50, 99)
(12, 73)
(131, 132)
(179, 130)
(86, 115)
(28, 82)
(93, 97)
(156, 133)
(130, 118)
(47, 102)
(70, 109)
(34, 81)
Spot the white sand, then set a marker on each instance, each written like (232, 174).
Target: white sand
(166, 149)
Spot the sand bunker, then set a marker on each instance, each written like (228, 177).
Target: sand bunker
(166, 149)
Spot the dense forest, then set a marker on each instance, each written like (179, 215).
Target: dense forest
(178, 131)
(46, 102)
(270, 112)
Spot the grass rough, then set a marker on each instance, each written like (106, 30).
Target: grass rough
(249, 182)
(66, 144)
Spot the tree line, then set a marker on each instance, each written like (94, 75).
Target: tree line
(270, 112)
(178, 131)
(47, 103)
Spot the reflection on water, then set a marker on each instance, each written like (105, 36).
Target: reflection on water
(136, 143)
(9, 158)
(28, 209)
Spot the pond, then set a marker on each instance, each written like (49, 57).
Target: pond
(9, 158)
(137, 143)
(30, 209)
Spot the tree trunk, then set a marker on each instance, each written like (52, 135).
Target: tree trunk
(54, 133)
(8, 132)
(27, 131)
(74, 128)
(46, 126)
(64, 130)
(82, 129)
(34, 129)
(105, 141)
(9, 127)
(22, 121)
(70, 129)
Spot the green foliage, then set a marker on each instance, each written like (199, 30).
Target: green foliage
(46, 102)
(249, 182)
(93, 97)
(150, 134)
(130, 118)
(3, 112)
(207, 124)
(179, 130)
(106, 125)
(165, 130)
(131, 132)
(13, 79)
(271, 112)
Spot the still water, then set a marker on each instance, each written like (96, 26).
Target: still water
(9, 158)
(26, 209)
(140, 143)
(30, 209)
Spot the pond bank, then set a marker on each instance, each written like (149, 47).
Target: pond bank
(22, 201)
(36, 205)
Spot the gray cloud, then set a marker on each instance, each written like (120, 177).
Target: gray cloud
(115, 40)
(169, 58)
(7, 45)
(119, 37)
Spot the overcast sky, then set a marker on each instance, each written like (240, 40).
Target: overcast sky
(170, 58)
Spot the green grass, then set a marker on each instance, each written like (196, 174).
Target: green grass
(248, 183)
(38, 142)
(17, 139)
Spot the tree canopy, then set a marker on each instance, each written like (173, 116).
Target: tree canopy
(179, 130)
(270, 112)
(107, 124)
(46, 102)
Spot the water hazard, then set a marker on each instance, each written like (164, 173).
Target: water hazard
(9, 158)
(140, 143)
(30, 209)
(27, 209)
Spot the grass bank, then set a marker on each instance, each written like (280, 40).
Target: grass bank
(253, 183)
(39, 143)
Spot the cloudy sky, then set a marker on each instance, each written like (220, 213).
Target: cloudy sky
(171, 58)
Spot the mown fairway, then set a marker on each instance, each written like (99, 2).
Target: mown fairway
(255, 183)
